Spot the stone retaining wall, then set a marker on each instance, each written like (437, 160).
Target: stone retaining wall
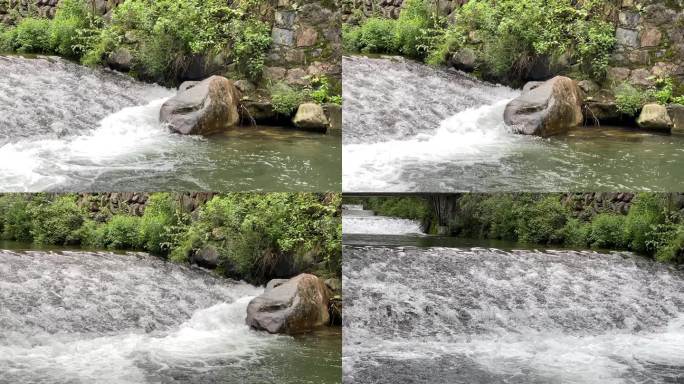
(306, 42)
(102, 204)
(650, 35)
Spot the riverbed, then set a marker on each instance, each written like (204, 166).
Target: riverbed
(66, 127)
(72, 316)
(409, 127)
(427, 309)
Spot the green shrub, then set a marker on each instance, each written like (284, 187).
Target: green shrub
(608, 231)
(172, 34)
(405, 207)
(543, 222)
(629, 100)
(15, 218)
(375, 35)
(509, 37)
(412, 34)
(642, 224)
(156, 223)
(32, 36)
(321, 91)
(673, 249)
(576, 233)
(74, 28)
(259, 235)
(285, 99)
(8, 37)
(57, 221)
(122, 232)
(500, 214)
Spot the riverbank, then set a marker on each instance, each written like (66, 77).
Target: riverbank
(242, 236)
(77, 128)
(278, 56)
(625, 56)
(410, 127)
(646, 223)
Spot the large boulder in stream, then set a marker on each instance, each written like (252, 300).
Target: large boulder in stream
(656, 117)
(548, 109)
(293, 306)
(207, 107)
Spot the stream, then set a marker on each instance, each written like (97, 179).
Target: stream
(450, 311)
(409, 127)
(66, 127)
(84, 317)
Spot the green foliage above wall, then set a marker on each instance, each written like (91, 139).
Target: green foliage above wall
(163, 37)
(257, 236)
(508, 37)
(652, 227)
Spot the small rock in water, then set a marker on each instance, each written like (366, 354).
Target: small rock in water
(654, 116)
(676, 112)
(311, 116)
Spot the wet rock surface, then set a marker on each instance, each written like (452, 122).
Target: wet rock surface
(207, 107)
(547, 109)
(297, 305)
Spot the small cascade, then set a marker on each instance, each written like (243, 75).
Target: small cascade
(357, 220)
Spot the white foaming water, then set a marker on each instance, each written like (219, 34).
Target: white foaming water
(464, 137)
(444, 315)
(99, 317)
(412, 116)
(360, 221)
(123, 137)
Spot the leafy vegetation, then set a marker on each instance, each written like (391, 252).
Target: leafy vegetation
(406, 207)
(410, 35)
(630, 100)
(285, 99)
(653, 226)
(257, 236)
(164, 37)
(508, 37)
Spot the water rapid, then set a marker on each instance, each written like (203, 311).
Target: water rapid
(409, 127)
(83, 317)
(68, 127)
(356, 220)
(483, 315)
(433, 309)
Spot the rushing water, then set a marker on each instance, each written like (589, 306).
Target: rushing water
(357, 220)
(84, 317)
(475, 315)
(69, 127)
(410, 127)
